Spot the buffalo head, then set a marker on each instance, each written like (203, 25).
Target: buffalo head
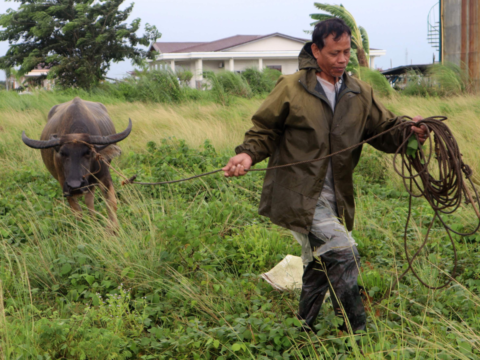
(74, 159)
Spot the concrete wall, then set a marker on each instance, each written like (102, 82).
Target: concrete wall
(213, 65)
(461, 36)
(289, 66)
(275, 43)
(242, 65)
(183, 65)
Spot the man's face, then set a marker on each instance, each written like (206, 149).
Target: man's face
(333, 58)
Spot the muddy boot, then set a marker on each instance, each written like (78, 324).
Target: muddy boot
(338, 268)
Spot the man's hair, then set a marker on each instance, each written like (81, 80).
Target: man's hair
(323, 29)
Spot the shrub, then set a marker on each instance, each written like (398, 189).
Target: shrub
(417, 85)
(231, 82)
(376, 80)
(154, 86)
(216, 88)
(184, 76)
(261, 82)
(449, 79)
(441, 80)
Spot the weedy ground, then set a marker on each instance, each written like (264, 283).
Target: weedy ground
(180, 279)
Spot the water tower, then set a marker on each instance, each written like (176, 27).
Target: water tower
(460, 36)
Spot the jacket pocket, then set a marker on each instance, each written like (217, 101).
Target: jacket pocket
(291, 209)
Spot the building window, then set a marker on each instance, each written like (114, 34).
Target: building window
(275, 67)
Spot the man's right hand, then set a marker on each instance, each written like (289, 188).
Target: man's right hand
(237, 165)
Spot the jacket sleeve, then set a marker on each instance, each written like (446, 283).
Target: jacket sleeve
(379, 120)
(268, 124)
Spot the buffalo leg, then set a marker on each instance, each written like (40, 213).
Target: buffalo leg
(111, 201)
(75, 206)
(89, 197)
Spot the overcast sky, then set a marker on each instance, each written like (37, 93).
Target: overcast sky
(397, 26)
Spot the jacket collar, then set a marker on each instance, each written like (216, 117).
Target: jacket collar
(308, 78)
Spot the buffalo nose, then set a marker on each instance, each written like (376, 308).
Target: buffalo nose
(75, 184)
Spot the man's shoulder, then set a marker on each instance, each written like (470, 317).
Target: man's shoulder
(291, 78)
(364, 88)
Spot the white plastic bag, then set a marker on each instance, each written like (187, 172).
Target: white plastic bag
(287, 274)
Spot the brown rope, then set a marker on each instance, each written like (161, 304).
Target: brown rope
(444, 193)
(402, 124)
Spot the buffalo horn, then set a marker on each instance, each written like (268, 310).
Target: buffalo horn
(111, 139)
(41, 144)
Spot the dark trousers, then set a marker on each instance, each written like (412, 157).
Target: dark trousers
(337, 270)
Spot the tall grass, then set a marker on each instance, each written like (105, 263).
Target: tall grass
(191, 121)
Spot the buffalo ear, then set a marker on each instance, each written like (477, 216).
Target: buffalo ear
(110, 152)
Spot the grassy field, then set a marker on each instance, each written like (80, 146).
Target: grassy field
(180, 280)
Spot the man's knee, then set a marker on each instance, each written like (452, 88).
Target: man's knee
(348, 255)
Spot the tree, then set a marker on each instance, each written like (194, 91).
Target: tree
(360, 41)
(76, 39)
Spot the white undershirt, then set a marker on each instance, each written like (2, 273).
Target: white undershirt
(329, 89)
(328, 191)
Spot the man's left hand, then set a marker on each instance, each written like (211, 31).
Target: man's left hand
(421, 131)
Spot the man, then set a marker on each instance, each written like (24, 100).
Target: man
(315, 112)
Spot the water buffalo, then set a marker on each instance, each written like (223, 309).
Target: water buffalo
(73, 129)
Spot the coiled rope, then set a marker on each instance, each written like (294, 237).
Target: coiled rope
(443, 190)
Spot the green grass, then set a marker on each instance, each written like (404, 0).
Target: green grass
(180, 279)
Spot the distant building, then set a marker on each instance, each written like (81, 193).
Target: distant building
(374, 53)
(236, 53)
(35, 79)
(11, 83)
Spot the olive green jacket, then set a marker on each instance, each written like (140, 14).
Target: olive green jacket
(296, 123)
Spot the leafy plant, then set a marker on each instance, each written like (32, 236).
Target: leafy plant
(261, 82)
(77, 39)
(185, 76)
(360, 40)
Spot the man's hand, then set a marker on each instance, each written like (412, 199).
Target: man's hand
(421, 131)
(237, 165)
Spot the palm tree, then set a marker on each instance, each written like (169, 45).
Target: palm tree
(359, 35)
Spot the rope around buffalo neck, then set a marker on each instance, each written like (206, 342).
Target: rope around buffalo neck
(443, 193)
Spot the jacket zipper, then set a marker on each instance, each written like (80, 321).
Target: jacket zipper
(346, 91)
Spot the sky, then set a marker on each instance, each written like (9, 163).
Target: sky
(397, 26)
